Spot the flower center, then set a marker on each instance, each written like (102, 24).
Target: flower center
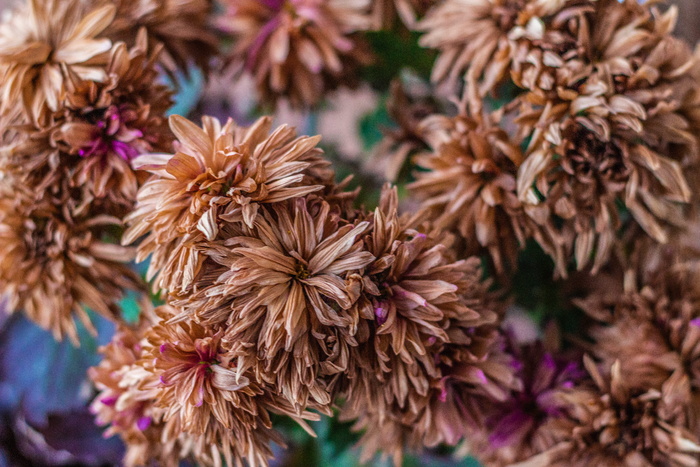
(302, 271)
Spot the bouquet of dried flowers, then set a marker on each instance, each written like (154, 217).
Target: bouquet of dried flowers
(490, 255)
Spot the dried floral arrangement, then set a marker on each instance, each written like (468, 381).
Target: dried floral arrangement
(499, 261)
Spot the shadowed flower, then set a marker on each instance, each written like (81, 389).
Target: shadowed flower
(40, 38)
(54, 268)
(218, 172)
(181, 26)
(513, 428)
(620, 130)
(285, 298)
(298, 49)
(610, 423)
(427, 354)
(469, 187)
(655, 330)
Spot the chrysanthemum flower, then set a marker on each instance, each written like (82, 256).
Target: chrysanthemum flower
(655, 329)
(479, 38)
(621, 131)
(203, 393)
(55, 267)
(427, 353)
(469, 187)
(126, 401)
(218, 172)
(40, 38)
(181, 26)
(298, 49)
(284, 295)
(610, 423)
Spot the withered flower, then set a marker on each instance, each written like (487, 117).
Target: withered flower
(204, 394)
(285, 298)
(181, 26)
(469, 185)
(218, 172)
(298, 49)
(126, 401)
(620, 130)
(515, 429)
(42, 39)
(608, 422)
(428, 353)
(479, 38)
(104, 126)
(54, 267)
(654, 329)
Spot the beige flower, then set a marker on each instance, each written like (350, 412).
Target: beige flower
(218, 173)
(42, 40)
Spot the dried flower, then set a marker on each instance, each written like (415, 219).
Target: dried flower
(469, 187)
(218, 173)
(204, 394)
(610, 423)
(478, 38)
(298, 49)
(55, 267)
(428, 352)
(618, 130)
(284, 296)
(181, 26)
(40, 41)
(515, 429)
(655, 329)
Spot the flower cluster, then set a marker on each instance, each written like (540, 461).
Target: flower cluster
(596, 130)
(77, 108)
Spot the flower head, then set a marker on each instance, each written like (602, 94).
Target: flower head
(42, 40)
(55, 267)
(296, 48)
(218, 173)
(285, 295)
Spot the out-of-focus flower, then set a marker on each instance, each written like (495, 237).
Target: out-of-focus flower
(218, 173)
(54, 266)
(181, 26)
(654, 329)
(608, 422)
(469, 186)
(43, 39)
(284, 294)
(408, 106)
(428, 352)
(513, 430)
(298, 49)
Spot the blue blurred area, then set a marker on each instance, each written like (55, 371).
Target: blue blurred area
(44, 397)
